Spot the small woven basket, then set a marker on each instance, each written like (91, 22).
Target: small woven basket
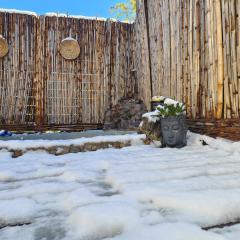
(69, 48)
(3, 47)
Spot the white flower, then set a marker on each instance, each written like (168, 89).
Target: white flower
(169, 101)
(159, 106)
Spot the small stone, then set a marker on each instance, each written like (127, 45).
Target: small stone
(17, 153)
(62, 150)
(151, 129)
(52, 150)
(74, 149)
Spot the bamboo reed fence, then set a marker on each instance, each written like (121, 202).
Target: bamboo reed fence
(38, 87)
(185, 49)
(190, 50)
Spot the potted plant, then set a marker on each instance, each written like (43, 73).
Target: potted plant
(173, 123)
(156, 101)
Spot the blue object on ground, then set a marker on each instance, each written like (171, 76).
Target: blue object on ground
(4, 133)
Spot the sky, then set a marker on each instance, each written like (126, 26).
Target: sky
(98, 8)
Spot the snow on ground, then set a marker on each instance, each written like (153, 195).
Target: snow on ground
(135, 193)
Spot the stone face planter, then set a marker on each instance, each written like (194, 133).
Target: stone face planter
(174, 131)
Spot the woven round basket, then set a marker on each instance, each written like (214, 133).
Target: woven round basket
(3, 47)
(69, 48)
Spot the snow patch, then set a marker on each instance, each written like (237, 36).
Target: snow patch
(28, 144)
(170, 231)
(102, 221)
(164, 193)
(18, 12)
(17, 210)
(152, 116)
(54, 14)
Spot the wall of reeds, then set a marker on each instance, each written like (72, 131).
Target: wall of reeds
(190, 50)
(39, 87)
(18, 68)
(185, 49)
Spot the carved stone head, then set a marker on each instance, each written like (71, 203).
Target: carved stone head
(174, 131)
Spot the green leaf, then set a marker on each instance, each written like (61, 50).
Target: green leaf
(171, 110)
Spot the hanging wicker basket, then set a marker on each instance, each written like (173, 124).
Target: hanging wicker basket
(3, 47)
(69, 48)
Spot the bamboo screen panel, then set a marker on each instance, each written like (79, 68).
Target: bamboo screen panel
(39, 87)
(190, 50)
(80, 90)
(74, 90)
(17, 69)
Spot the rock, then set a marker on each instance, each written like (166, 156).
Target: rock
(17, 153)
(121, 144)
(125, 115)
(52, 150)
(75, 149)
(89, 147)
(62, 150)
(152, 129)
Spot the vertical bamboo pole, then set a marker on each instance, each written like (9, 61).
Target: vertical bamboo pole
(220, 68)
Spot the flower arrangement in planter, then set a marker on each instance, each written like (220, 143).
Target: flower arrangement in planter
(166, 123)
(173, 123)
(170, 107)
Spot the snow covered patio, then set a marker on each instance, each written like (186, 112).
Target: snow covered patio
(135, 193)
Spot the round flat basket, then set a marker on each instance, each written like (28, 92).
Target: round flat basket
(3, 47)
(69, 48)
